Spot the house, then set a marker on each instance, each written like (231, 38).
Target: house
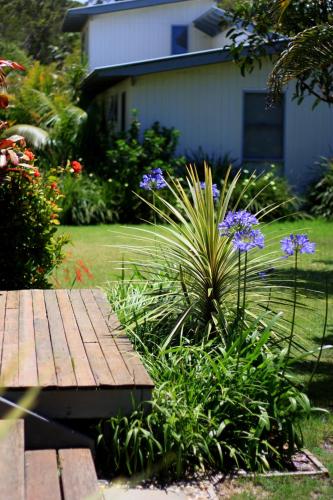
(169, 60)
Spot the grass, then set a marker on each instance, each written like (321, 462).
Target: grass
(95, 246)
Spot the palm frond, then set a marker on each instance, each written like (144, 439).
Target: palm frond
(278, 8)
(35, 136)
(309, 50)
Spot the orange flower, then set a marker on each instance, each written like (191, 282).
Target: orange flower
(78, 275)
(29, 154)
(76, 166)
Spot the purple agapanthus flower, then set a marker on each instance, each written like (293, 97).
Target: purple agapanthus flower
(215, 190)
(153, 180)
(247, 239)
(237, 222)
(297, 243)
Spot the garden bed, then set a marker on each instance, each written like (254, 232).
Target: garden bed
(303, 463)
(212, 486)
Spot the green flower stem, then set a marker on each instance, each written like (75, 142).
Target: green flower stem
(291, 337)
(154, 205)
(315, 368)
(244, 290)
(239, 286)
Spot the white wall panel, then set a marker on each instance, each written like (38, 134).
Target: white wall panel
(145, 33)
(206, 105)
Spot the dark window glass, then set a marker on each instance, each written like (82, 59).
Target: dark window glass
(263, 128)
(179, 43)
(123, 112)
(112, 110)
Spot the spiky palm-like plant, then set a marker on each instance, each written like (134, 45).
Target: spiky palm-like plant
(199, 285)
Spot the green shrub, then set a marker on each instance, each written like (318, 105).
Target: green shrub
(320, 196)
(30, 248)
(267, 189)
(212, 408)
(130, 157)
(86, 200)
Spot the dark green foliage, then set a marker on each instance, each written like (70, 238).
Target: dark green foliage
(46, 97)
(14, 53)
(218, 164)
(29, 248)
(212, 409)
(273, 18)
(320, 198)
(35, 26)
(267, 189)
(86, 201)
(129, 157)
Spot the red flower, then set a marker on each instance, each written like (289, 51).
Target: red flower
(36, 173)
(54, 186)
(29, 154)
(76, 166)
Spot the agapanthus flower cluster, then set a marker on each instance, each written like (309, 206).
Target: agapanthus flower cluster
(237, 221)
(246, 240)
(153, 180)
(297, 243)
(239, 227)
(215, 190)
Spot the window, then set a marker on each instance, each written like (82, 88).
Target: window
(123, 112)
(179, 42)
(263, 128)
(112, 110)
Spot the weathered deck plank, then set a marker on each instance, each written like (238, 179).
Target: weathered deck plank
(131, 358)
(10, 350)
(78, 475)
(41, 475)
(86, 329)
(12, 460)
(84, 375)
(115, 361)
(47, 376)
(28, 376)
(62, 358)
(99, 365)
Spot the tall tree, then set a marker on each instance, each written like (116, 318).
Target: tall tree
(35, 26)
(307, 31)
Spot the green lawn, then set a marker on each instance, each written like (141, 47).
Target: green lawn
(96, 247)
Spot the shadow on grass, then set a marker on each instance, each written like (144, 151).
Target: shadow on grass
(310, 280)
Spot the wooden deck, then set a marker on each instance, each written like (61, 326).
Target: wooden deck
(70, 344)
